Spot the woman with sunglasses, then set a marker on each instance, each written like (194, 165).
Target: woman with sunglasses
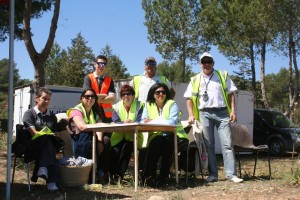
(127, 110)
(161, 144)
(87, 112)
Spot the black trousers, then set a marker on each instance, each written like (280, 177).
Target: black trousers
(160, 146)
(120, 157)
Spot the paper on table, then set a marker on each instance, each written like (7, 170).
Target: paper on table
(159, 120)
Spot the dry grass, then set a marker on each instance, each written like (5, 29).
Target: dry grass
(284, 184)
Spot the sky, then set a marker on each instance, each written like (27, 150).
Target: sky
(119, 24)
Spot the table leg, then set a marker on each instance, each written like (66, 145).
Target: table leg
(94, 157)
(176, 157)
(135, 145)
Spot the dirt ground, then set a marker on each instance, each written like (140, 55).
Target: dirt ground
(282, 185)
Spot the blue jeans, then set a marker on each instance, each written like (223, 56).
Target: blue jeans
(219, 120)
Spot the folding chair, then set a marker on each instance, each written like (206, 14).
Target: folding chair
(18, 149)
(195, 142)
(243, 143)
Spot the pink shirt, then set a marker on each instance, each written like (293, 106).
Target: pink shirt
(76, 113)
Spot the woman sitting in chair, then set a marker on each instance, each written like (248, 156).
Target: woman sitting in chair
(161, 144)
(127, 110)
(39, 125)
(87, 112)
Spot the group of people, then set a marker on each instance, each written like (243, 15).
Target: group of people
(209, 99)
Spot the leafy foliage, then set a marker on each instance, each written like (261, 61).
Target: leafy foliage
(4, 77)
(77, 62)
(38, 8)
(173, 27)
(173, 71)
(115, 68)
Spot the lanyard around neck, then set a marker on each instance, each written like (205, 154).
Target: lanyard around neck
(206, 84)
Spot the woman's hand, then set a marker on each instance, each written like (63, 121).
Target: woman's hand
(146, 120)
(128, 121)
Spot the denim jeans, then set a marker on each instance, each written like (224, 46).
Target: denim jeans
(219, 120)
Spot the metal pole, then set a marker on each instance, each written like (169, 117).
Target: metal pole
(10, 96)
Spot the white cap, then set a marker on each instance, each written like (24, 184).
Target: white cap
(206, 54)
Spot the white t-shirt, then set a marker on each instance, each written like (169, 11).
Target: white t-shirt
(146, 84)
(214, 91)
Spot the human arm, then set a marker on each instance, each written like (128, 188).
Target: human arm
(145, 117)
(189, 103)
(29, 122)
(174, 114)
(231, 98)
(139, 115)
(116, 118)
(87, 82)
(110, 97)
(189, 106)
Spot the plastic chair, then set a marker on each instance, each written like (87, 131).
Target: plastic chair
(243, 143)
(18, 149)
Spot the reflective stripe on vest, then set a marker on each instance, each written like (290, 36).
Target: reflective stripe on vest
(153, 114)
(137, 83)
(91, 120)
(107, 107)
(122, 113)
(195, 81)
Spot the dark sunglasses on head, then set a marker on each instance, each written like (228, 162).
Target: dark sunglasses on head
(102, 64)
(158, 92)
(151, 64)
(126, 94)
(207, 61)
(89, 96)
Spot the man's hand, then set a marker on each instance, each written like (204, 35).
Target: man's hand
(191, 119)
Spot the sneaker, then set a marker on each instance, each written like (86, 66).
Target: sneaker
(235, 179)
(43, 173)
(52, 187)
(211, 179)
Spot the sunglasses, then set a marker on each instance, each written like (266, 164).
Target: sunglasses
(207, 61)
(158, 92)
(101, 64)
(126, 94)
(151, 64)
(89, 96)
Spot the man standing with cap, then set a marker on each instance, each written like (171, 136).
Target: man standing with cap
(210, 99)
(143, 83)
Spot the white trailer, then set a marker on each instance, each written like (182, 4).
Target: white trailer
(64, 98)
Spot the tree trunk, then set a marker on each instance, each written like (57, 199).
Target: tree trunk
(253, 74)
(262, 75)
(39, 59)
(293, 83)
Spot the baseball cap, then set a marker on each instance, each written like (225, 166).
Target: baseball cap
(150, 59)
(206, 54)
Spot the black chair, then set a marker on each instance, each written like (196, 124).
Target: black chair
(18, 149)
(194, 143)
(243, 143)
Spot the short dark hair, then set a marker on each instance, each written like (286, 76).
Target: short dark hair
(150, 97)
(101, 57)
(42, 90)
(127, 88)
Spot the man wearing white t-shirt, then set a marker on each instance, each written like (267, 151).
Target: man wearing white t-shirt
(210, 99)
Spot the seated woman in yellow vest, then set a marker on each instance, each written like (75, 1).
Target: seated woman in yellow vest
(127, 110)
(87, 112)
(160, 144)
